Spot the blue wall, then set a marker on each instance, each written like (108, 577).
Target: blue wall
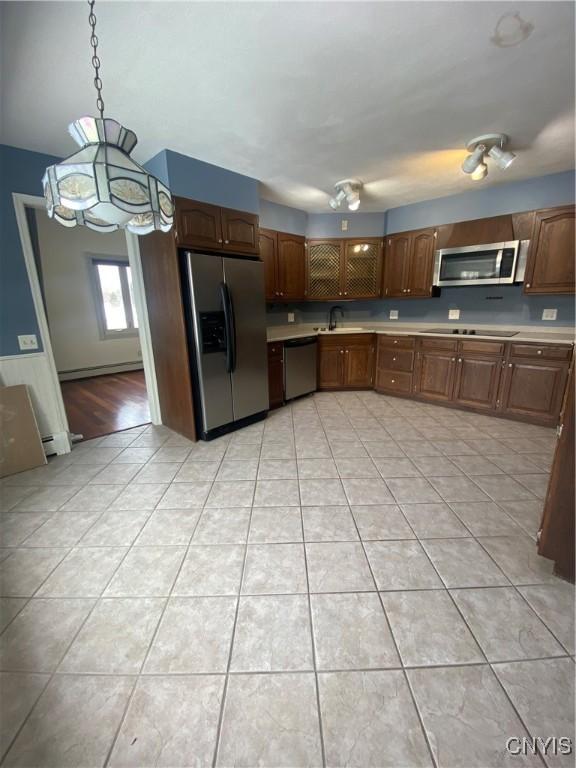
(489, 305)
(283, 218)
(542, 192)
(20, 171)
(188, 177)
(359, 224)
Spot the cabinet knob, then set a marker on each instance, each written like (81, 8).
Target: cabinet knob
(281, 293)
(347, 351)
(393, 381)
(395, 341)
(220, 240)
(408, 290)
(393, 359)
(539, 352)
(453, 359)
(226, 242)
(340, 293)
(510, 365)
(345, 293)
(459, 359)
(527, 285)
(341, 351)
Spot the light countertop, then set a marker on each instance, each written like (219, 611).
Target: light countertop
(529, 333)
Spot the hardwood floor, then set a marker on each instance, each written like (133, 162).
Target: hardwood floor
(104, 404)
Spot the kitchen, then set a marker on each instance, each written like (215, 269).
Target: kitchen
(347, 535)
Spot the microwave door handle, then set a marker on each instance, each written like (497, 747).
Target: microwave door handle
(499, 262)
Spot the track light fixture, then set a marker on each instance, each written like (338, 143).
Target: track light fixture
(349, 190)
(491, 145)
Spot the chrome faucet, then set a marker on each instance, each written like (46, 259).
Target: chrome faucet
(331, 319)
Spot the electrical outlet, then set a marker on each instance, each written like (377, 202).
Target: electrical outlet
(453, 314)
(290, 317)
(393, 314)
(27, 342)
(549, 314)
(344, 225)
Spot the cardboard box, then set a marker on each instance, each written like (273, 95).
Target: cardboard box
(20, 442)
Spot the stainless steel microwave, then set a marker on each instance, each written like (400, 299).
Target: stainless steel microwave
(493, 264)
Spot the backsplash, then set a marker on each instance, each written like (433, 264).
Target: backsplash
(478, 305)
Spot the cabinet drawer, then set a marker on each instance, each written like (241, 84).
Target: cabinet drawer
(396, 359)
(481, 348)
(441, 345)
(344, 340)
(275, 350)
(397, 342)
(394, 381)
(543, 351)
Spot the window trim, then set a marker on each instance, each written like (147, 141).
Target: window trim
(94, 259)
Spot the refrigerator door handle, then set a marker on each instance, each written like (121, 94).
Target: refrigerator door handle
(228, 308)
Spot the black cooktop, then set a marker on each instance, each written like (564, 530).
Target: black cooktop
(470, 332)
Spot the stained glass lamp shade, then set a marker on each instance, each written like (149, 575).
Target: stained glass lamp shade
(101, 187)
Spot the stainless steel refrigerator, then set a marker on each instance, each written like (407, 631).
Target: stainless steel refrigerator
(226, 315)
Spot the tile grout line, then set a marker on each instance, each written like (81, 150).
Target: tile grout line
(218, 734)
(156, 630)
(310, 619)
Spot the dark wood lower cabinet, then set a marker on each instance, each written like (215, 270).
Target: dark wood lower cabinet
(275, 374)
(533, 390)
(435, 375)
(477, 382)
(557, 530)
(346, 362)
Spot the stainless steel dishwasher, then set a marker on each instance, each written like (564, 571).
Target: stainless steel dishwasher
(300, 366)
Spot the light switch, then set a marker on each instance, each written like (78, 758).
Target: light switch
(344, 225)
(453, 314)
(549, 314)
(393, 314)
(290, 317)
(27, 342)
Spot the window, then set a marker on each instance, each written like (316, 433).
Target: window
(114, 298)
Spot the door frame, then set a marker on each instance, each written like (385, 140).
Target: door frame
(21, 202)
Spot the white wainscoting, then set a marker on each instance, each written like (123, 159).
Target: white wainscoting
(33, 369)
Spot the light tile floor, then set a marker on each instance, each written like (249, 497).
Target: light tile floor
(352, 582)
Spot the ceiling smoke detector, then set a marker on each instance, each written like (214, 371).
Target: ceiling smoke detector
(349, 190)
(489, 145)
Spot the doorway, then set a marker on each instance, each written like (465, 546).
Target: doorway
(89, 297)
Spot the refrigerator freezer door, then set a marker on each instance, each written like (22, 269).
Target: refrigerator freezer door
(205, 276)
(245, 281)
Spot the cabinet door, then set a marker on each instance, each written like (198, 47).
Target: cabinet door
(362, 269)
(550, 267)
(359, 365)
(198, 225)
(435, 375)
(396, 265)
(534, 390)
(330, 367)
(239, 231)
(291, 263)
(323, 269)
(421, 263)
(267, 238)
(477, 381)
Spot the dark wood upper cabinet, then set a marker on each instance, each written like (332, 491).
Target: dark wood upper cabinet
(198, 225)
(396, 265)
(291, 266)
(495, 229)
(268, 245)
(421, 263)
(323, 258)
(550, 267)
(409, 264)
(362, 268)
(239, 231)
(201, 225)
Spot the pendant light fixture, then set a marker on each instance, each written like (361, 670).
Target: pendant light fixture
(100, 186)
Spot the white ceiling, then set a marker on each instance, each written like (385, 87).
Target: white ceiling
(300, 95)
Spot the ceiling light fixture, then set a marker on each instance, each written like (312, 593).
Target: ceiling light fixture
(100, 186)
(349, 190)
(490, 145)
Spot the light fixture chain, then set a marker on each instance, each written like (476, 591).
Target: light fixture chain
(95, 58)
